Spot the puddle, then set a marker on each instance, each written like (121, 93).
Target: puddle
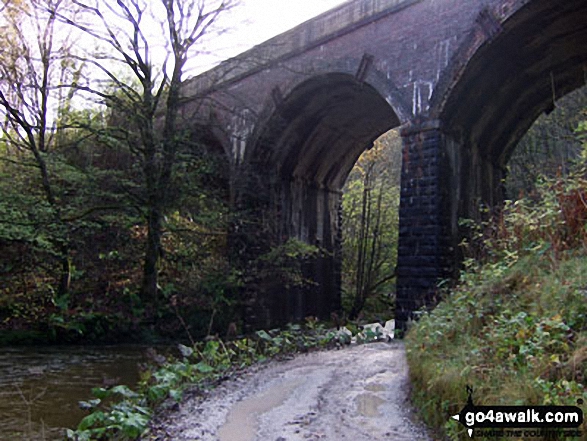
(242, 421)
(375, 387)
(368, 405)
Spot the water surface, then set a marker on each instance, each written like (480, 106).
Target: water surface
(40, 387)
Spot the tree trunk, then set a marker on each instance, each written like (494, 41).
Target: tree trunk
(65, 278)
(152, 254)
(62, 244)
(153, 243)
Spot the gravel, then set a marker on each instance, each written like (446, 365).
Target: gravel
(356, 393)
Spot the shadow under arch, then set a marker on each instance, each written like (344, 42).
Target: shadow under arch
(208, 146)
(297, 166)
(492, 92)
(320, 129)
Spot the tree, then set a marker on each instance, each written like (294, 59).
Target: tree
(146, 95)
(34, 63)
(370, 224)
(549, 147)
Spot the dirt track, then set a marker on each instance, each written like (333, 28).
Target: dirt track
(357, 393)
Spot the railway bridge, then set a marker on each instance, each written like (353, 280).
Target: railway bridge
(462, 79)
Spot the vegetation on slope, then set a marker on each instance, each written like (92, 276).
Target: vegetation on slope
(515, 328)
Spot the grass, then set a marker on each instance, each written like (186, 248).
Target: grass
(518, 339)
(515, 327)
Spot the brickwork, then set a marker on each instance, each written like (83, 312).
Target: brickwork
(463, 78)
(421, 225)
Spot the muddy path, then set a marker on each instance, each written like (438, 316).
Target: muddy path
(357, 393)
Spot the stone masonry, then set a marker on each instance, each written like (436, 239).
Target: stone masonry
(463, 79)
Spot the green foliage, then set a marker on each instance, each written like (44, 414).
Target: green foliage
(78, 183)
(98, 215)
(25, 216)
(515, 328)
(550, 146)
(517, 335)
(551, 222)
(126, 420)
(370, 228)
(36, 237)
(285, 262)
(123, 414)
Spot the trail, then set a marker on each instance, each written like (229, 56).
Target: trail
(357, 393)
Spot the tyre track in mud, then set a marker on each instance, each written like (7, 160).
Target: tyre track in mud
(358, 393)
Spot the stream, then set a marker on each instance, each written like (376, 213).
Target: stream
(40, 387)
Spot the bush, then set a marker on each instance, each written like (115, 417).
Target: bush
(515, 328)
(123, 414)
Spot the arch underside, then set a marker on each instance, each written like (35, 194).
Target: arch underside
(322, 128)
(305, 153)
(538, 56)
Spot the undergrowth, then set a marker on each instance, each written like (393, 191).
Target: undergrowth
(515, 327)
(121, 413)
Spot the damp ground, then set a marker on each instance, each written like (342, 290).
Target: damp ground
(356, 393)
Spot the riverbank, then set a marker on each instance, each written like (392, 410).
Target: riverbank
(40, 386)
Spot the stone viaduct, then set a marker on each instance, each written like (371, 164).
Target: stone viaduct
(462, 79)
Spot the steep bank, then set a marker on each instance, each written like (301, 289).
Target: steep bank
(517, 336)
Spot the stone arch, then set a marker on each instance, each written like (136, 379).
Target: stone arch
(534, 57)
(504, 76)
(311, 143)
(318, 114)
(537, 56)
(300, 159)
(209, 140)
(350, 70)
(213, 136)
